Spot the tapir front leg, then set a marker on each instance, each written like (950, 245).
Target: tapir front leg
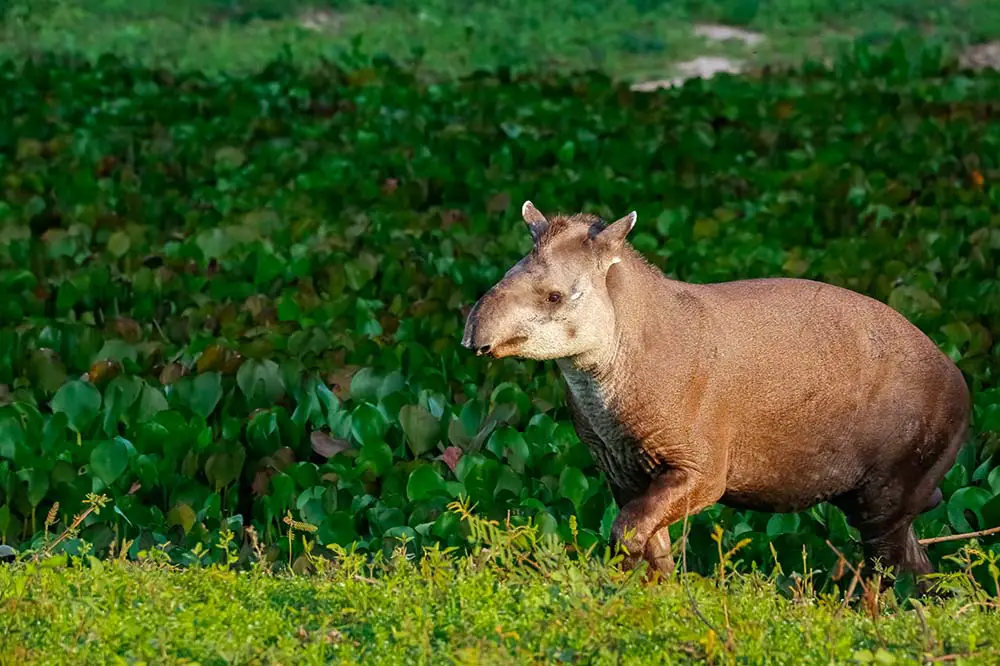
(670, 496)
(657, 552)
(658, 548)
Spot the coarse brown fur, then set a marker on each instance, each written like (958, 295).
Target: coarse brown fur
(772, 394)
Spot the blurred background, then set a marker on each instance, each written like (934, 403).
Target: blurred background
(636, 40)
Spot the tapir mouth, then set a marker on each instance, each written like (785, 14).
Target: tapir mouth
(508, 347)
(499, 350)
(473, 337)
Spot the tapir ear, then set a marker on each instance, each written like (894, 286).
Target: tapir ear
(537, 224)
(613, 236)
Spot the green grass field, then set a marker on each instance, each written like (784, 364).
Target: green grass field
(536, 608)
(231, 309)
(630, 39)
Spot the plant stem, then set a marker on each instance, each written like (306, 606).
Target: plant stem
(958, 537)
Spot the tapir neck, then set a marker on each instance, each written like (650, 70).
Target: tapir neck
(640, 298)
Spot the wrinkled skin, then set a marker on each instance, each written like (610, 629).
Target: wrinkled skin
(771, 394)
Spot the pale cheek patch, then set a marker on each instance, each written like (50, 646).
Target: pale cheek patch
(576, 296)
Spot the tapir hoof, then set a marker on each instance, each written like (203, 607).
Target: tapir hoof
(658, 554)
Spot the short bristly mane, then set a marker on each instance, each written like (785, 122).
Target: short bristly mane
(559, 224)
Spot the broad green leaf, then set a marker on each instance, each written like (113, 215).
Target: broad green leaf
(338, 528)
(151, 402)
(118, 351)
(206, 391)
(11, 433)
(224, 467)
(282, 491)
(471, 417)
(384, 518)
(365, 385)
(46, 370)
(147, 471)
(401, 534)
(446, 525)
(969, 499)
(119, 244)
(367, 424)
(573, 485)
(608, 519)
(994, 480)
(80, 401)
(376, 456)
(261, 382)
(37, 481)
(310, 505)
(508, 444)
(424, 481)
(990, 512)
(109, 459)
(783, 523)
(305, 474)
(228, 158)
(422, 430)
(182, 515)
(361, 270)
(212, 508)
(508, 481)
(119, 396)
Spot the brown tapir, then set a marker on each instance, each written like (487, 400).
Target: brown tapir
(770, 394)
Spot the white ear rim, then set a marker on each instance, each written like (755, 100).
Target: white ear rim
(632, 217)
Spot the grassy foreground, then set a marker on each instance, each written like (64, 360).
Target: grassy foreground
(461, 611)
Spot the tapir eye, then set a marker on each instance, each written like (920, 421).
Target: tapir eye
(554, 297)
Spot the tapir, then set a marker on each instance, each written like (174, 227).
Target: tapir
(772, 394)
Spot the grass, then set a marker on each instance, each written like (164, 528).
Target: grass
(630, 39)
(478, 609)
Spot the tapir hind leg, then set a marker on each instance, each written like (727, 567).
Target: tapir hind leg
(898, 548)
(884, 508)
(883, 513)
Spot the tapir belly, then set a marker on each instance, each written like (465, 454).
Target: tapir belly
(826, 441)
(783, 485)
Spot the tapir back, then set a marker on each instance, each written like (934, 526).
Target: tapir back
(810, 388)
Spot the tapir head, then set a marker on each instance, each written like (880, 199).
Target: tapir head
(553, 303)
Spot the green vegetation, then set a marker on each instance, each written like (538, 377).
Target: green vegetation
(631, 39)
(519, 599)
(231, 310)
(231, 301)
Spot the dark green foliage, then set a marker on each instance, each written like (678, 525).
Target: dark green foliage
(230, 299)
